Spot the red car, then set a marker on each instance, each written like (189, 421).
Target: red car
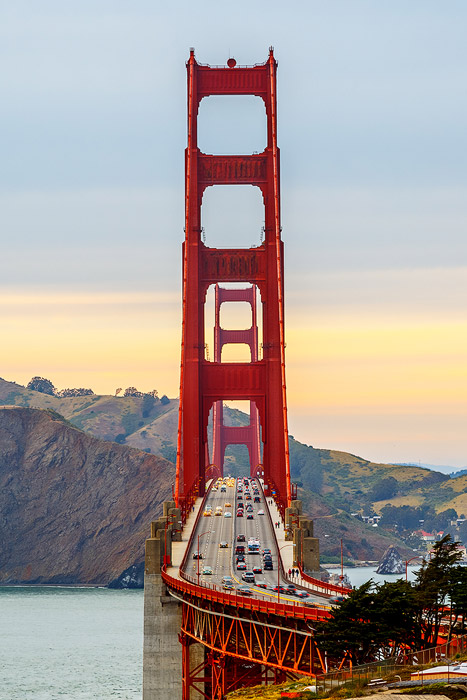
(239, 513)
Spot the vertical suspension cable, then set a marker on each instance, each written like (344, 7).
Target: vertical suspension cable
(185, 273)
(279, 272)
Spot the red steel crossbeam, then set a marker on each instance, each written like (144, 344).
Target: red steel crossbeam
(202, 383)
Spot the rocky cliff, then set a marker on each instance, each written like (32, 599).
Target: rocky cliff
(72, 508)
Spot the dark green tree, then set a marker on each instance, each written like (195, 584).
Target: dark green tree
(44, 386)
(434, 583)
(373, 621)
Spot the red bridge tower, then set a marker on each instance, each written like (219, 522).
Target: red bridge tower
(202, 382)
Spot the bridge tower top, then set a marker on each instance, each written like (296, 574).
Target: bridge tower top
(203, 382)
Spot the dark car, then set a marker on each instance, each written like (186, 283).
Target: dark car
(266, 551)
(240, 549)
(197, 555)
(240, 557)
(267, 557)
(336, 599)
(257, 570)
(279, 589)
(268, 566)
(249, 516)
(301, 594)
(240, 538)
(262, 584)
(239, 497)
(257, 499)
(290, 587)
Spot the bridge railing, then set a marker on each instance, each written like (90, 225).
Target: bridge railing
(316, 585)
(210, 592)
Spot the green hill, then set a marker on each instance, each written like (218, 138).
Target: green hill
(337, 488)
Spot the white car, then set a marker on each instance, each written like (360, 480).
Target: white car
(261, 512)
(227, 514)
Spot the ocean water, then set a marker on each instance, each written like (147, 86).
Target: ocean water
(63, 643)
(361, 574)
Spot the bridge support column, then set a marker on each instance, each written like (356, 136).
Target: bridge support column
(307, 547)
(162, 652)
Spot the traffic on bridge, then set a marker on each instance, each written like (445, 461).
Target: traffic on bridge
(234, 547)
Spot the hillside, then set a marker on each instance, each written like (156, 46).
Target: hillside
(72, 508)
(332, 484)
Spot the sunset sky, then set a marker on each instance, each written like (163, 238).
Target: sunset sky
(372, 129)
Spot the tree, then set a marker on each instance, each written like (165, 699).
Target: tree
(458, 597)
(384, 489)
(132, 391)
(374, 621)
(434, 583)
(165, 400)
(44, 386)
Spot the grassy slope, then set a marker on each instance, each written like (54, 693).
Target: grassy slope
(333, 484)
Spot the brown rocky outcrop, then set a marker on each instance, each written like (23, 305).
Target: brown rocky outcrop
(73, 509)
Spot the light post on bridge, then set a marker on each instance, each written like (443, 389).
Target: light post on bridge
(198, 552)
(279, 568)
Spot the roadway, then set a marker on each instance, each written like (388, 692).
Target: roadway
(214, 529)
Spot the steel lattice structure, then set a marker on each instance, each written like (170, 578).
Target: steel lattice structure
(203, 383)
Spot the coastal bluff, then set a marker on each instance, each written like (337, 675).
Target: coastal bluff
(73, 508)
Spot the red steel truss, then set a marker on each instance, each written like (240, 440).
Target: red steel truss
(223, 435)
(203, 383)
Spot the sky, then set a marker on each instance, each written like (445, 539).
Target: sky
(372, 114)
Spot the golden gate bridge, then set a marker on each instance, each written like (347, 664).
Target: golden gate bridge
(205, 633)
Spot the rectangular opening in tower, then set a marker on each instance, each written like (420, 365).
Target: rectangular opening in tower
(233, 124)
(232, 216)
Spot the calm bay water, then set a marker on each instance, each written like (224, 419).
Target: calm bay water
(360, 574)
(70, 643)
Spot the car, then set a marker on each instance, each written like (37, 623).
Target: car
(214, 488)
(257, 499)
(239, 497)
(266, 551)
(249, 509)
(267, 557)
(291, 587)
(240, 538)
(240, 549)
(218, 512)
(239, 557)
(257, 570)
(261, 512)
(243, 590)
(223, 545)
(241, 566)
(262, 584)
(336, 599)
(197, 555)
(207, 513)
(227, 579)
(279, 589)
(228, 505)
(268, 566)
(301, 594)
(248, 576)
(227, 514)
(250, 516)
(207, 571)
(248, 497)
(239, 513)
(228, 586)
